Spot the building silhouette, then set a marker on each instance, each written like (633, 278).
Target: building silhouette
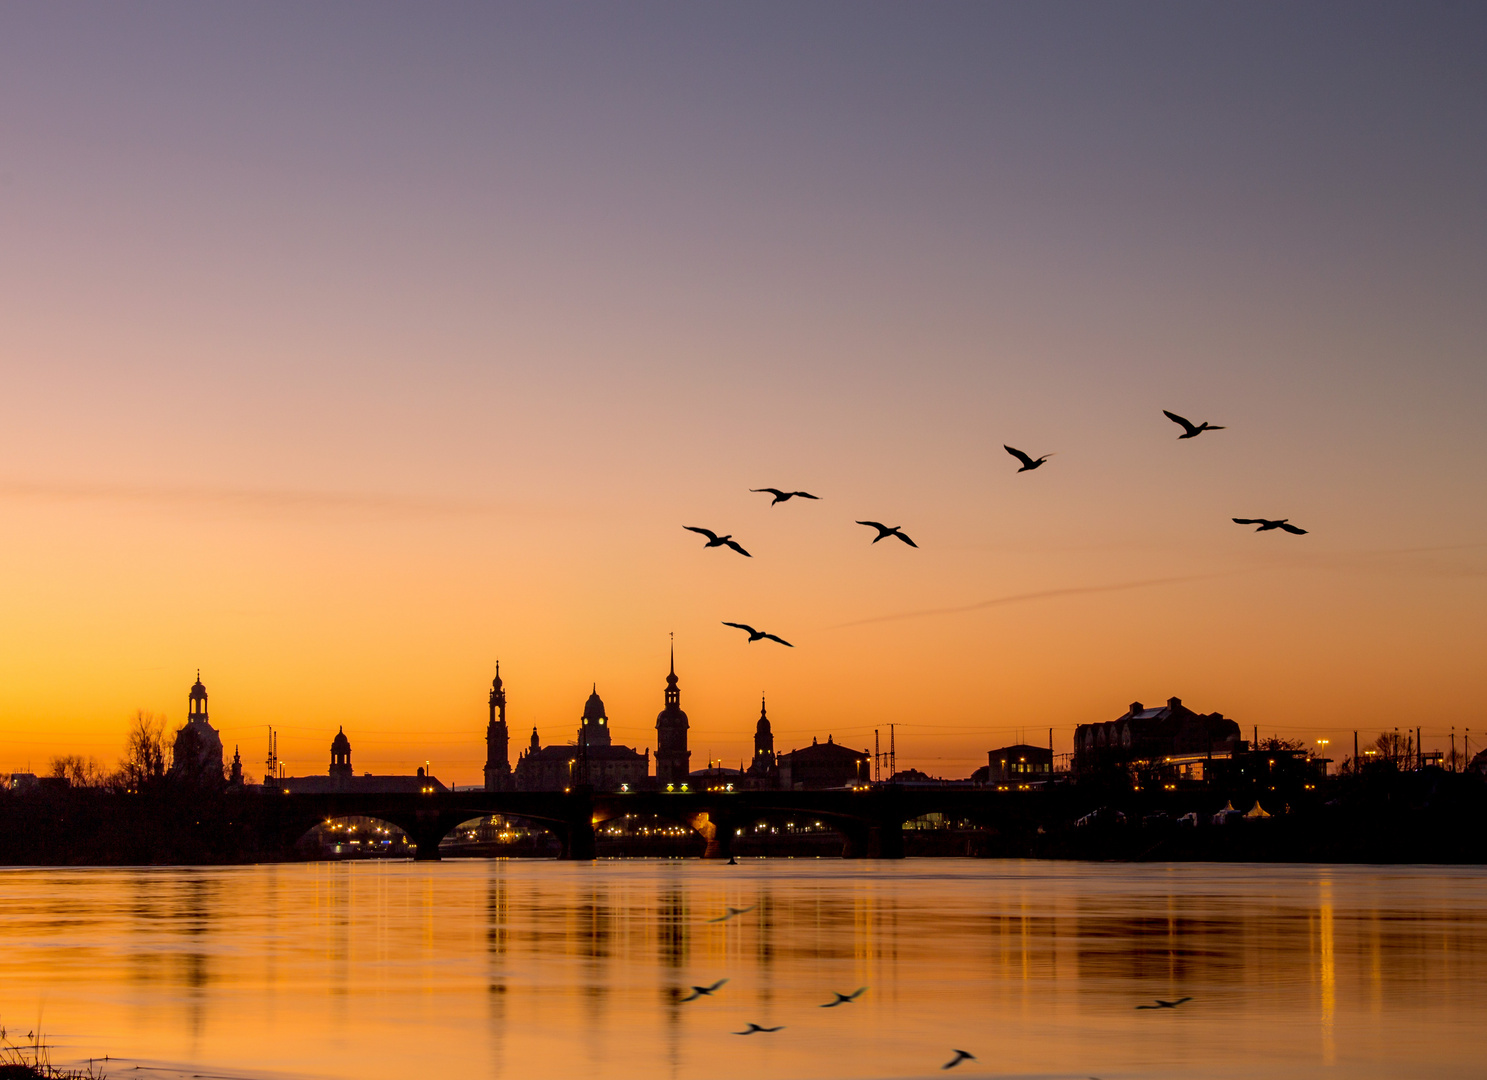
(196, 756)
(497, 763)
(763, 771)
(340, 778)
(1152, 735)
(672, 756)
(1020, 763)
(340, 754)
(592, 761)
(823, 765)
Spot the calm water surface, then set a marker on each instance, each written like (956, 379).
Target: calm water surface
(518, 969)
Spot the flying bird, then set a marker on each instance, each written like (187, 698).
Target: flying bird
(960, 1055)
(1189, 429)
(714, 540)
(735, 911)
(784, 496)
(886, 530)
(1266, 524)
(844, 999)
(1165, 1004)
(704, 991)
(1027, 462)
(755, 1029)
(757, 635)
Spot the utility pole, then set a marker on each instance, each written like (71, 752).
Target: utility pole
(1355, 752)
(1453, 748)
(1050, 755)
(1419, 750)
(877, 759)
(892, 752)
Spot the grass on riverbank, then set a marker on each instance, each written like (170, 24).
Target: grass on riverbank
(31, 1059)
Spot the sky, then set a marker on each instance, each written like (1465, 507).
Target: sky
(347, 349)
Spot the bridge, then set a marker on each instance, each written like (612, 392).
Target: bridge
(870, 819)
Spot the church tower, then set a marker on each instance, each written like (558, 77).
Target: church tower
(497, 760)
(763, 741)
(672, 756)
(340, 754)
(196, 756)
(593, 729)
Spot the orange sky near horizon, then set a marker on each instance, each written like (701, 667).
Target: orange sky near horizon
(343, 357)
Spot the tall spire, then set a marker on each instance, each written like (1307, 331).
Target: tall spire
(673, 654)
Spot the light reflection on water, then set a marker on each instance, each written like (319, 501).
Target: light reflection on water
(516, 969)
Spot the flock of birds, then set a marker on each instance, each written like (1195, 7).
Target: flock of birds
(838, 999)
(1190, 430)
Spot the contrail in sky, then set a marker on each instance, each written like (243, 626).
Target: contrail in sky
(1017, 598)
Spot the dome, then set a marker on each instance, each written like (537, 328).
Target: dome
(671, 714)
(593, 709)
(340, 744)
(198, 691)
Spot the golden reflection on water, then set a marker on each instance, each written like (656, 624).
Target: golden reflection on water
(517, 969)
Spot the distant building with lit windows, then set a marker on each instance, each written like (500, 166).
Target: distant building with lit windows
(1021, 763)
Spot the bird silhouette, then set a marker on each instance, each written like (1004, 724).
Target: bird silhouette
(960, 1055)
(714, 540)
(1189, 429)
(784, 496)
(1165, 1004)
(757, 635)
(733, 912)
(886, 531)
(1266, 525)
(704, 991)
(1027, 462)
(844, 999)
(755, 1029)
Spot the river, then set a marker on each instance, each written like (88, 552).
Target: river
(513, 968)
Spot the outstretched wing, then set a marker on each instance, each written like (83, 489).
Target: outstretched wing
(855, 994)
(734, 544)
(1187, 425)
(905, 539)
(1179, 1001)
(1248, 521)
(742, 626)
(776, 492)
(782, 641)
(877, 525)
(1216, 427)
(697, 993)
(716, 985)
(1019, 455)
(1292, 529)
(705, 532)
(804, 495)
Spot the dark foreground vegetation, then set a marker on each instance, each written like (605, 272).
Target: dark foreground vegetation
(29, 1058)
(1382, 815)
